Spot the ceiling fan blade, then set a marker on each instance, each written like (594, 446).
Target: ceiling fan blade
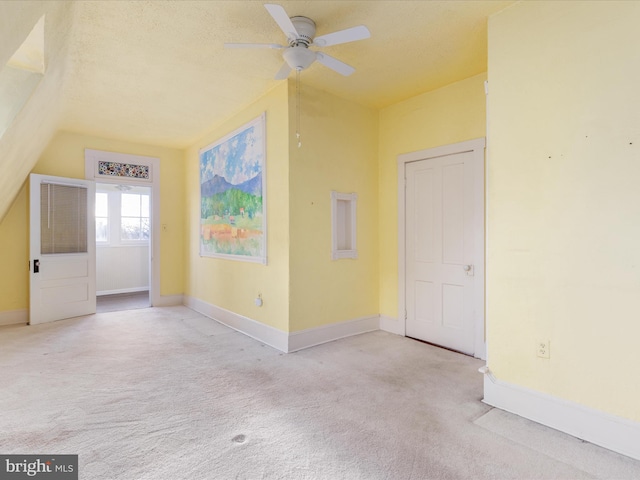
(343, 36)
(282, 19)
(253, 45)
(335, 64)
(284, 72)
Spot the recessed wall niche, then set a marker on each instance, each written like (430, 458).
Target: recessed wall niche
(343, 220)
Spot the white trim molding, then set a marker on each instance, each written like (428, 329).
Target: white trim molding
(169, 301)
(392, 325)
(603, 429)
(328, 333)
(259, 331)
(14, 317)
(283, 341)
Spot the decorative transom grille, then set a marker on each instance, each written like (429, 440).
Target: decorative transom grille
(129, 170)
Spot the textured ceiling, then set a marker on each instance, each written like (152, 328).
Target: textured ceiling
(156, 72)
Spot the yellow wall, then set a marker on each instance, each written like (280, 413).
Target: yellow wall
(233, 285)
(338, 152)
(64, 156)
(451, 114)
(14, 256)
(564, 203)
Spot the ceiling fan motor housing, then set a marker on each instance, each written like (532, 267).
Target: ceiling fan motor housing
(306, 29)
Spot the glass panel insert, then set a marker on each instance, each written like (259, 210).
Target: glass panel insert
(63, 219)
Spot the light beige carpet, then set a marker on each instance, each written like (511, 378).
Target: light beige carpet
(164, 393)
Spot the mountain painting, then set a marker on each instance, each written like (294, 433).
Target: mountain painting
(232, 195)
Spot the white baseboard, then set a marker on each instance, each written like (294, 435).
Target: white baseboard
(261, 332)
(283, 341)
(122, 290)
(168, 301)
(608, 431)
(14, 317)
(391, 325)
(328, 333)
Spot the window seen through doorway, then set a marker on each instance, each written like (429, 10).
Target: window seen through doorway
(102, 217)
(122, 217)
(134, 219)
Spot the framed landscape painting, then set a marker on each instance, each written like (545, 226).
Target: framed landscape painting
(232, 195)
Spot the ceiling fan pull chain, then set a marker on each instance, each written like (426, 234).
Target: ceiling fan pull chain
(298, 108)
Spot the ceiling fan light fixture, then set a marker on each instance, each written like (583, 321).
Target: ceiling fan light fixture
(300, 32)
(299, 57)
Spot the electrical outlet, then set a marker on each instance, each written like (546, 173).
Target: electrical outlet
(543, 348)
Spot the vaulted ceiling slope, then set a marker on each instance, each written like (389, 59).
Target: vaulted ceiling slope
(156, 72)
(33, 127)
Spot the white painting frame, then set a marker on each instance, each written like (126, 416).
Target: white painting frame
(233, 209)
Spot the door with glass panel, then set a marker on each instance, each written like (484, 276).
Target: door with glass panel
(62, 248)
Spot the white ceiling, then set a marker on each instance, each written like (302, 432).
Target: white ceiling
(156, 72)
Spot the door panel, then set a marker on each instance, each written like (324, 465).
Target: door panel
(439, 240)
(452, 306)
(423, 217)
(65, 268)
(62, 248)
(424, 302)
(453, 213)
(63, 294)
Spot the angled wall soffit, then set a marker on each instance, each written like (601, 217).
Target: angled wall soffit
(21, 75)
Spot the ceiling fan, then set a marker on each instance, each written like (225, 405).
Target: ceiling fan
(300, 33)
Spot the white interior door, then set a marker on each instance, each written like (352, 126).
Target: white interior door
(62, 248)
(439, 263)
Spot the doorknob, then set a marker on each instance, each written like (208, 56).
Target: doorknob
(36, 266)
(468, 270)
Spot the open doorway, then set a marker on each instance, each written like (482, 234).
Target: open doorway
(138, 172)
(123, 246)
